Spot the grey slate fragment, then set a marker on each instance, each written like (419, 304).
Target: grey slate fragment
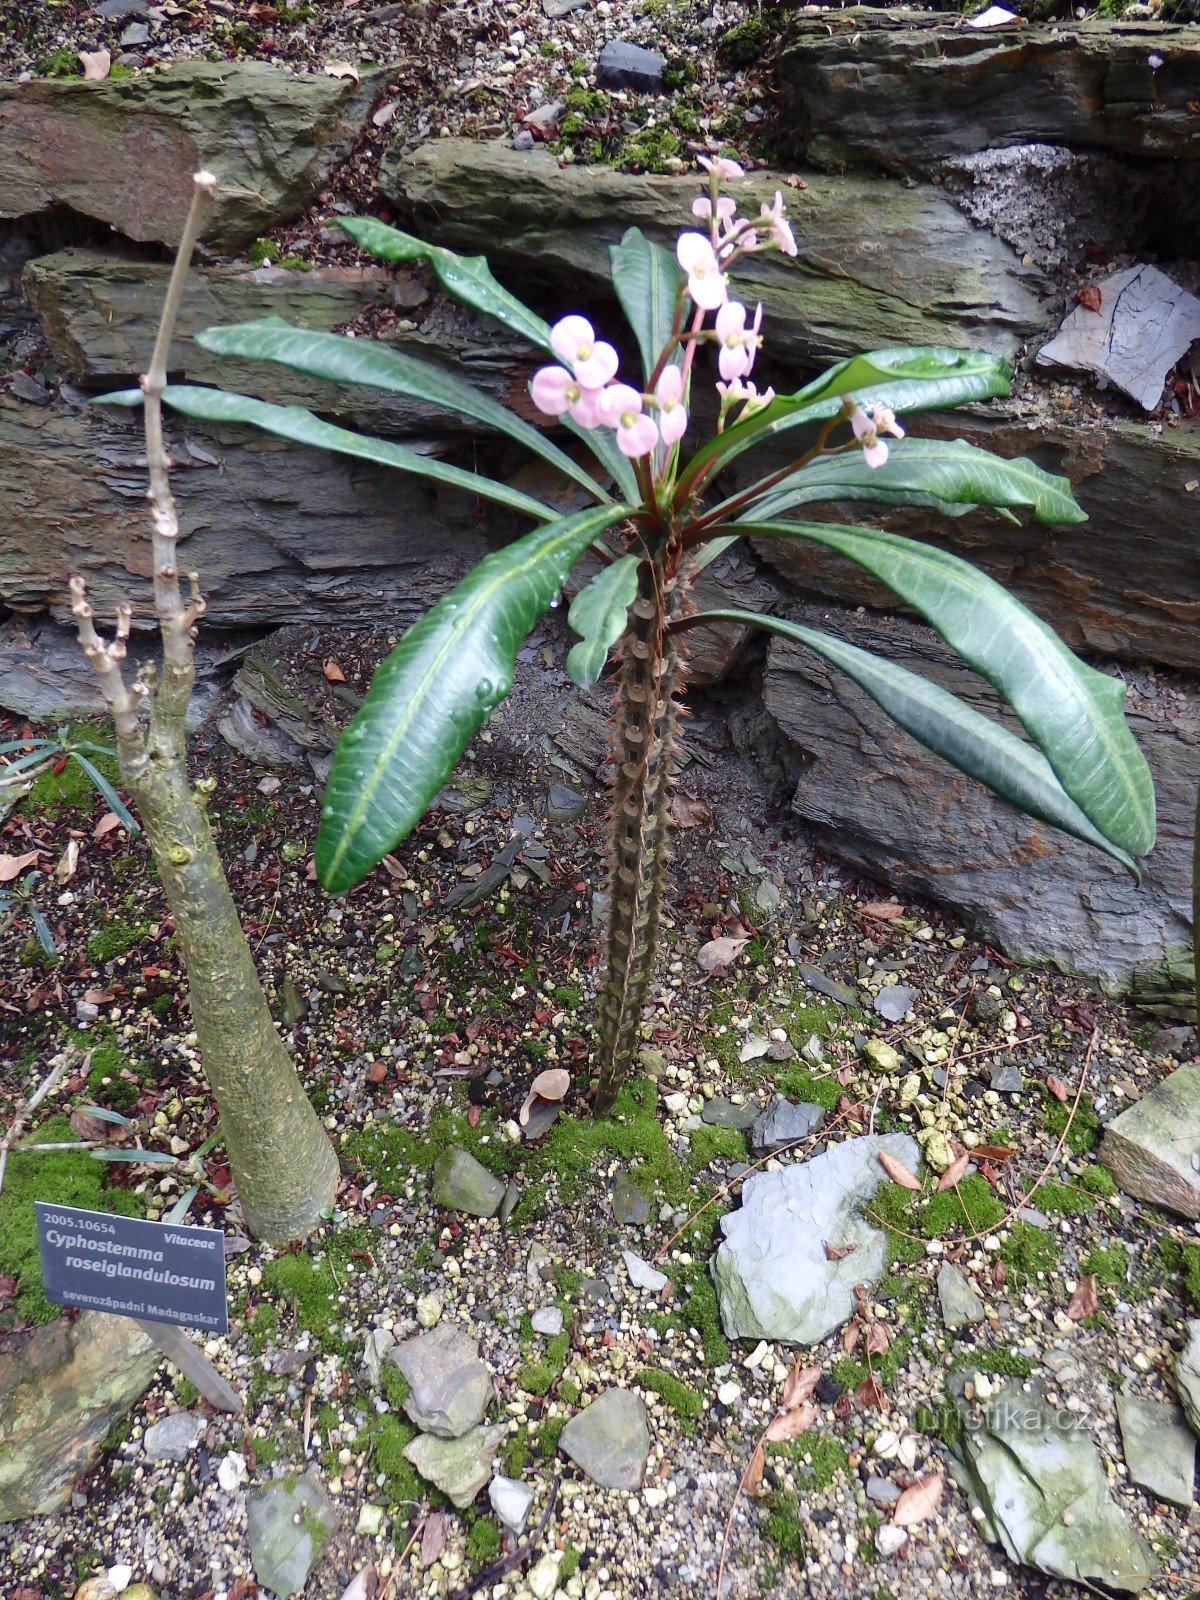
(460, 1183)
(783, 1123)
(894, 1001)
(458, 1467)
(822, 983)
(174, 1437)
(610, 1440)
(721, 1113)
(961, 1306)
(1187, 1375)
(629, 66)
(1150, 1148)
(1007, 1079)
(630, 1206)
(1160, 1449)
(451, 1388)
(282, 1524)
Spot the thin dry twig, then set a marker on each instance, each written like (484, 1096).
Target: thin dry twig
(25, 1109)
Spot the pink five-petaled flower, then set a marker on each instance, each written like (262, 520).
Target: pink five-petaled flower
(868, 427)
(726, 208)
(620, 407)
(574, 341)
(556, 390)
(772, 218)
(706, 281)
(722, 167)
(737, 344)
(731, 393)
(672, 414)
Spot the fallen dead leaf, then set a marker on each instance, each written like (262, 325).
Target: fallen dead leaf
(550, 1085)
(86, 1126)
(99, 997)
(1089, 297)
(754, 1469)
(333, 672)
(790, 1425)
(955, 1171)
(689, 812)
(1058, 1089)
(920, 1500)
(992, 1152)
(870, 1393)
(878, 1339)
(1085, 1300)
(717, 954)
(13, 866)
(384, 115)
(68, 861)
(897, 1171)
(107, 823)
(799, 1384)
(882, 910)
(97, 64)
(433, 1537)
(341, 69)
(835, 1252)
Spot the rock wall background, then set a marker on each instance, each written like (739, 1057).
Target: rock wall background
(995, 173)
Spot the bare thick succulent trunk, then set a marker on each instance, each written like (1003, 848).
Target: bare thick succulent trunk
(646, 718)
(280, 1156)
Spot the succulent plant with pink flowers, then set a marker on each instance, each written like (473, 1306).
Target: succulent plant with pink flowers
(658, 513)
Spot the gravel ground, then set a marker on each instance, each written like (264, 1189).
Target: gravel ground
(432, 1021)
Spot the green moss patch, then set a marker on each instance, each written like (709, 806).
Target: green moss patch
(1083, 1134)
(1029, 1251)
(313, 1283)
(684, 1402)
(114, 938)
(819, 1457)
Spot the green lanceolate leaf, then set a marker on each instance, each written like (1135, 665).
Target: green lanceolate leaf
(449, 671)
(948, 474)
(598, 615)
(366, 361)
(109, 794)
(973, 743)
(1072, 712)
(647, 281)
(299, 425)
(909, 379)
(467, 278)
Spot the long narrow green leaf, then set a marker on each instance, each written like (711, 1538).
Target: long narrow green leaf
(598, 614)
(42, 928)
(302, 427)
(469, 279)
(908, 379)
(106, 1115)
(366, 361)
(973, 743)
(706, 553)
(139, 1158)
(108, 793)
(646, 279)
(1071, 711)
(948, 474)
(448, 672)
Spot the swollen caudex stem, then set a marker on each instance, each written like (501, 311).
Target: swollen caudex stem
(282, 1162)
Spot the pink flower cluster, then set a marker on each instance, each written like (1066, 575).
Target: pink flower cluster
(583, 387)
(868, 425)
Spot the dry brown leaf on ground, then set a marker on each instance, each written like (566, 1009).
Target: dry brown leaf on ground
(333, 673)
(13, 866)
(86, 1126)
(920, 1500)
(550, 1085)
(870, 1393)
(955, 1171)
(790, 1425)
(67, 862)
(107, 823)
(878, 1339)
(897, 1171)
(96, 64)
(754, 1469)
(1085, 1300)
(341, 69)
(835, 1252)
(799, 1384)
(882, 910)
(433, 1537)
(1058, 1089)
(689, 812)
(717, 954)
(386, 112)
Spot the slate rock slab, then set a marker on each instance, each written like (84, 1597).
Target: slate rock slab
(894, 1001)
(722, 1113)
(783, 1123)
(287, 1523)
(59, 1395)
(1037, 1485)
(511, 1500)
(773, 1278)
(1144, 324)
(460, 1183)
(1160, 1449)
(629, 66)
(961, 1306)
(458, 1467)
(451, 1388)
(123, 151)
(630, 1206)
(1187, 1376)
(610, 1440)
(175, 1437)
(1153, 1149)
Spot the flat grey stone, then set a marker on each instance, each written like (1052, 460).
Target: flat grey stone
(460, 1183)
(630, 1206)
(508, 1205)
(136, 33)
(1037, 1486)
(175, 1437)
(721, 1113)
(1007, 1079)
(458, 1467)
(610, 1440)
(511, 1500)
(821, 983)
(961, 1306)
(1187, 1375)
(894, 1001)
(561, 8)
(286, 1525)
(641, 1274)
(543, 1114)
(451, 1387)
(111, 10)
(783, 1123)
(629, 66)
(547, 1320)
(1160, 1449)
(565, 803)
(1144, 324)
(883, 1491)
(774, 1280)
(1150, 1148)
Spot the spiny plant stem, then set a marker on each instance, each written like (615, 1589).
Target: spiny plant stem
(646, 722)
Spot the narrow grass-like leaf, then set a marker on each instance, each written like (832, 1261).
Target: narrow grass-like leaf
(42, 928)
(1071, 711)
(948, 474)
(448, 672)
(646, 279)
(115, 803)
(598, 614)
(973, 743)
(106, 1115)
(149, 1158)
(378, 366)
